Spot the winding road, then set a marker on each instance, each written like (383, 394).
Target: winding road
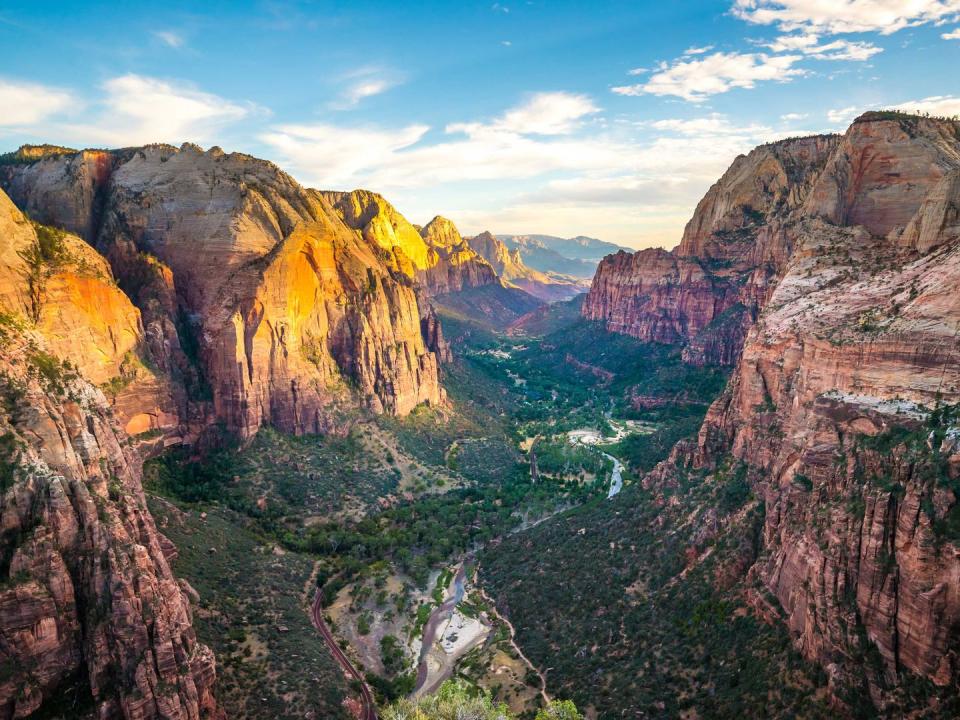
(369, 710)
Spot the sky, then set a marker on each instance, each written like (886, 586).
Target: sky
(607, 119)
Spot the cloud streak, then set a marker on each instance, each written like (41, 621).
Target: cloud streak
(697, 79)
(846, 16)
(170, 38)
(574, 174)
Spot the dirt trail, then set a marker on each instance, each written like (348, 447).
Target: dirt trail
(513, 642)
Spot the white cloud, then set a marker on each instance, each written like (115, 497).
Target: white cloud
(30, 103)
(809, 44)
(536, 167)
(136, 109)
(548, 113)
(846, 16)
(842, 116)
(169, 37)
(793, 117)
(336, 156)
(936, 105)
(698, 50)
(952, 35)
(364, 83)
(697, 79)
(940, 105)
(363, 89)
(709, 125)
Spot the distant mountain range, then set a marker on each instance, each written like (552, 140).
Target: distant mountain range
(576, 256)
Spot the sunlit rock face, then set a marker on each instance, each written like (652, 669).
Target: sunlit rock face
(87, 593)
(258, 301)
(857, 336)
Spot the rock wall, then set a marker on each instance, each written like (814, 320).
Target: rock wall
(707, 291)
(459, 266)
(259, 304)
(90, 612)
(842, 405)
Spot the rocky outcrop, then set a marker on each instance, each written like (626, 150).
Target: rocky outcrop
(510, 268)
(260, 304)
(90, 612)
(435, 256)
(844, 407)
(706, 292)
(381, 225)
(458, 266)
(67, 290)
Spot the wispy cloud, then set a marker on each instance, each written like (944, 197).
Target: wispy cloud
(30, 103)
(698, 50)
(942, 105)
(577, 173)
(549, 113)
(937, 105)
(170, 38)
(129, 110)
(842, 116)
(952, 35)
(697, 79)
(810, 44)
(793, 117)
(139, 109)
(846, 16)
(364, 83)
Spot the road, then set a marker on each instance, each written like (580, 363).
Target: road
(369, 710)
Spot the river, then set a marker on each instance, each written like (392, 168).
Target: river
(616, 477)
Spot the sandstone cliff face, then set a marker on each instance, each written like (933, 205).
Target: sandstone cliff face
(459, 267)
(706, 292)
(842, 405)
(254, 292)
(435, 256)
(88, 605)
(514, 273)
(64, 287)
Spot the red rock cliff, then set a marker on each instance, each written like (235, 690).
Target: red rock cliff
(706, 292)
(281, 305)
(837, 406)
(87, 596)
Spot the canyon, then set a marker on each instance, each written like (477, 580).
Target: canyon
(162, 302)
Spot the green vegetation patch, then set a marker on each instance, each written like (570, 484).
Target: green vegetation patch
(271, 662)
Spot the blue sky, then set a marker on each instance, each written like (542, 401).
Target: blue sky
(608, 119)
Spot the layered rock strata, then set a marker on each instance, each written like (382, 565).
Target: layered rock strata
(707, 291)
(260, 304)
(843, 406)
(91, 617)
